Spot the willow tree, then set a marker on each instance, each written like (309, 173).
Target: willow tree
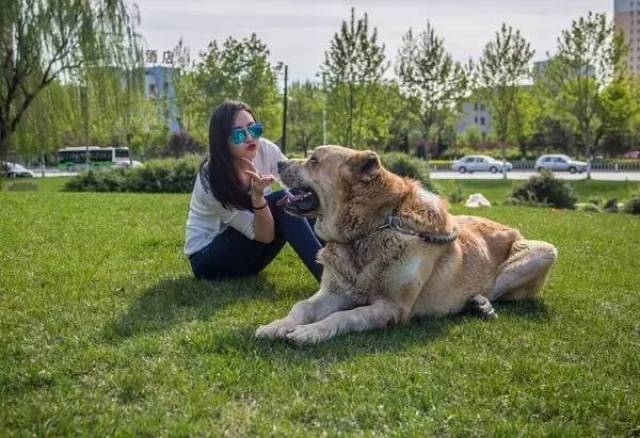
(46, 40)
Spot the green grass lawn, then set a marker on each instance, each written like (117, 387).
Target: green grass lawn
(49, 184)
(103, 331)
(497, 191)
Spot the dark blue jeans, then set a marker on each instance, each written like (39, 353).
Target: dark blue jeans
(231, 254)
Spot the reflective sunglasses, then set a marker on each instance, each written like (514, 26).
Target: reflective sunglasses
(239, 135)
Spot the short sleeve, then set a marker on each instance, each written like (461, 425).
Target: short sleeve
(274, 156)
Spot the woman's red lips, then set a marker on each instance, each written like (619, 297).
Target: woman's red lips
(252, 146)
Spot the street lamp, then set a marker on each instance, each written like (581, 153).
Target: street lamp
(324, 106)
(284, 112)
(279, 67)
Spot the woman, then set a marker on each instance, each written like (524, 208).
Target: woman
(235, 227)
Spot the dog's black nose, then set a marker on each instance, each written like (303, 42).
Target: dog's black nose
(281, 165)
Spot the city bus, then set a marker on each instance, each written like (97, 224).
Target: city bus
(73, 158)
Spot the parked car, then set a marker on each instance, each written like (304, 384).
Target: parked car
(559, 162)
(479, 163)
(632, 154)
(15, 170)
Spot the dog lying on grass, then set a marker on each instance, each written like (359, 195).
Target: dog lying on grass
(393, 251)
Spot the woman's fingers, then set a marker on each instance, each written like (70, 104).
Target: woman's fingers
(250, 163)
(253, 174)
(259, 177)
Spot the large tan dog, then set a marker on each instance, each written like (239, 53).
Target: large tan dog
(394, 252)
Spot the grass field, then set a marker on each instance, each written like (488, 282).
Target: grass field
(103, 331)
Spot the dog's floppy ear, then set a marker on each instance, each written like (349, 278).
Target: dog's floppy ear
(366, 164)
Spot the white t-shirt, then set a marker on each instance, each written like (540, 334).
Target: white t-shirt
(208, 218)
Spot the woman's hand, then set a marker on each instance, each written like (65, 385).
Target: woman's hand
(258, 182)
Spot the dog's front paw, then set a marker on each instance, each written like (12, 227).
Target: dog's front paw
(276, 329)
(308, 334)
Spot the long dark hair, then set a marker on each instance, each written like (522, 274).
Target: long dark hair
(220, 173)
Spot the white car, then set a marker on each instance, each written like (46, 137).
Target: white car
(559, 162)
(15, 170)
(480, 163)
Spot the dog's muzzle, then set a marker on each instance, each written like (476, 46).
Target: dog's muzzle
(301, 201)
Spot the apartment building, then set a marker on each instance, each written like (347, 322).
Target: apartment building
(627, 19)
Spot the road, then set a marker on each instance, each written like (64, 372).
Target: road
(51, 173)
(521, 174)
(448, 174)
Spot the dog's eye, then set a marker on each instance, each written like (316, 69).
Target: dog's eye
(313, 160)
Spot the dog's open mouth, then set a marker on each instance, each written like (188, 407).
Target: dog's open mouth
(302, 201)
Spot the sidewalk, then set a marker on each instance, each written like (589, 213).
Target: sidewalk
(524, 175)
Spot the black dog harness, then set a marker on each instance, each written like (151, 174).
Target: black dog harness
(395, 223)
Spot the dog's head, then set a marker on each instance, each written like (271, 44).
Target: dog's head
(339, 186)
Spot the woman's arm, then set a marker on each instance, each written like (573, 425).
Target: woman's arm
(263, 226)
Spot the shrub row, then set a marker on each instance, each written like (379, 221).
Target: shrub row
(177, 176)
(157, 176)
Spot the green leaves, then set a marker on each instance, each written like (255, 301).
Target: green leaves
(429, 74)
(43, 41)
(353, 70)
(239, 69)
(589, 59)
(306, 106)
(502, 70)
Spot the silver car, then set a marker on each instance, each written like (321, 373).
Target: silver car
(560, 162)
(15, 170)
(480, 163)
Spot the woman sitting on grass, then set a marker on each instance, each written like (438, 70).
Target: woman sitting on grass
(235, 227)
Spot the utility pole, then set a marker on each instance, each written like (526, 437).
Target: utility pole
(324, 108)
(284, 113)
(84, 96)
(324, 124)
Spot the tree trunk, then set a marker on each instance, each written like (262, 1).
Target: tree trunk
(350, 133)
(588, 145)
(4, 140)
(589, 153)
(503, 153)
(523, 149)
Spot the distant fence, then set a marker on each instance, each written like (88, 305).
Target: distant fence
(615, 167)
(596, 165)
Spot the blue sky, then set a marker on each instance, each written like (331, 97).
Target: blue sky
(298, 32)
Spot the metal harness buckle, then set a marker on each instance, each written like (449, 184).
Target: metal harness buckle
(395, 223)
